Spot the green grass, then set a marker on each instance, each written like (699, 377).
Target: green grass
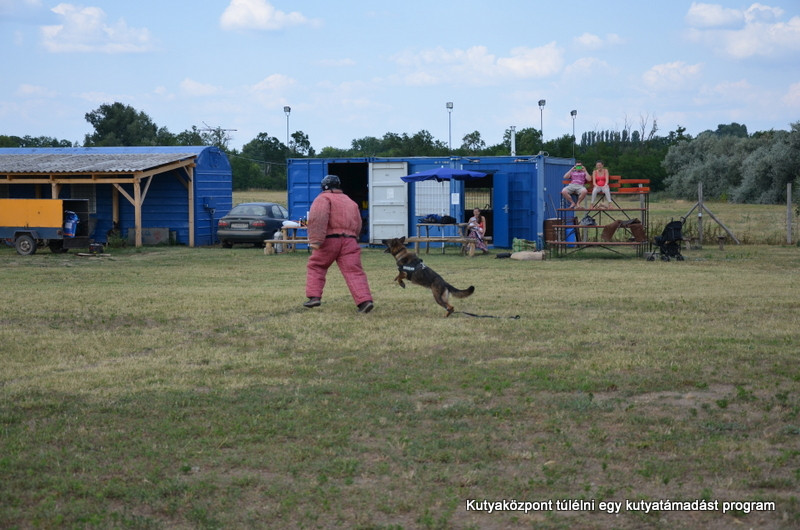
(173, 387)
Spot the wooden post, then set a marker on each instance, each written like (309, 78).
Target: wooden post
(137, 211)
(115, 209)
(190, 189)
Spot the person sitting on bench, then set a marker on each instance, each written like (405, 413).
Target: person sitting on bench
(476, 228)
(600, 180)
(577, 184)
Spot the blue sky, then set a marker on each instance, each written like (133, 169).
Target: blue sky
(354, 69)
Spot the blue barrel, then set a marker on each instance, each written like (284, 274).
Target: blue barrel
(70, 223)
(571, 237)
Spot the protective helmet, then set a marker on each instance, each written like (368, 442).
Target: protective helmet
(331, 182)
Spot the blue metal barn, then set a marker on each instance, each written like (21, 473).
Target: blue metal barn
(183, 189)
(516, 196)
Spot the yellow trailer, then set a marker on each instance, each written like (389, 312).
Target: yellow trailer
(29, 224)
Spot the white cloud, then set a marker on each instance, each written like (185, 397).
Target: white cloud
(259, 15)
(586, 67)
(336, 63)
(532, 62)
(726, 91)
(595, 42)
(273, 83)
(98, 98)
(27, 91)
(741, 34)
(84, 29)
(476, 66)
(792, 96)
(713, 16)
(19, 8)
(672, 76)
(761, 13)
(196, 88)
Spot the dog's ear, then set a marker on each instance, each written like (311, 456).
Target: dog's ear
(385, 242)
(403, 240)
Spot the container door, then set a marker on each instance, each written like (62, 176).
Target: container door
(303, 180)
(500, 200)
(388, 201)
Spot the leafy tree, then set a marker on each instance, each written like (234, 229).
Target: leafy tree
(119, 124)
(424, 144)
(191, 137)
(528, 140)
(216, 136)
(561, 147)
(335, 152)
(29, 141)
(472, 143)
(732, 129)
(270, 154)
(366, 146)
(300, 144)
(773, 163)
(713, 160)
(247, 173)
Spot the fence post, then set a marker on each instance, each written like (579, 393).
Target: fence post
(789, 213)
(700, 214)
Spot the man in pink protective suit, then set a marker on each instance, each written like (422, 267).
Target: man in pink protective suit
(334, 223)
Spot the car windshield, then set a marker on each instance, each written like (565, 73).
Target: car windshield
(249, 209)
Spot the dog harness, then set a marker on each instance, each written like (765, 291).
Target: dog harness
(411, 268)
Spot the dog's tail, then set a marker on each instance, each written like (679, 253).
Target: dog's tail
(461, 293)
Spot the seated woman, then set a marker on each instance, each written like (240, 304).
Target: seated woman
(476, 228)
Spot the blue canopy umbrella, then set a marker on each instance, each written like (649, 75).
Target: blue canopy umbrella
(440, 174)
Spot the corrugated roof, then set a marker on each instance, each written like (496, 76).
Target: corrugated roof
(85, 163)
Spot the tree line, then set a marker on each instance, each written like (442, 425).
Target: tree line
(732, 164)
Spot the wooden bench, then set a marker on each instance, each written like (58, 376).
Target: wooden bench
(618, 186)
(467, 243)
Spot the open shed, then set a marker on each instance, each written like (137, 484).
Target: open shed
(183, 189)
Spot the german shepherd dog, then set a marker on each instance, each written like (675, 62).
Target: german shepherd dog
(412, 268)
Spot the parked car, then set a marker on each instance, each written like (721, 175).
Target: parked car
(251, 222)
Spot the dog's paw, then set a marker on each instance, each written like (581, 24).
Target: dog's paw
(401, 283)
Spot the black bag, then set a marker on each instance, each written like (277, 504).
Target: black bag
(448, 220)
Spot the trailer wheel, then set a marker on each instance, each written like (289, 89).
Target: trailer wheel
(57, 246)
(25, 245)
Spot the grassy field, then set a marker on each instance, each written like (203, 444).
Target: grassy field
(170, 387)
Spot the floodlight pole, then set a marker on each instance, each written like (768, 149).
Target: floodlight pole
(287, 109)
(573, 113)
(541, 119)
(449, 106)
